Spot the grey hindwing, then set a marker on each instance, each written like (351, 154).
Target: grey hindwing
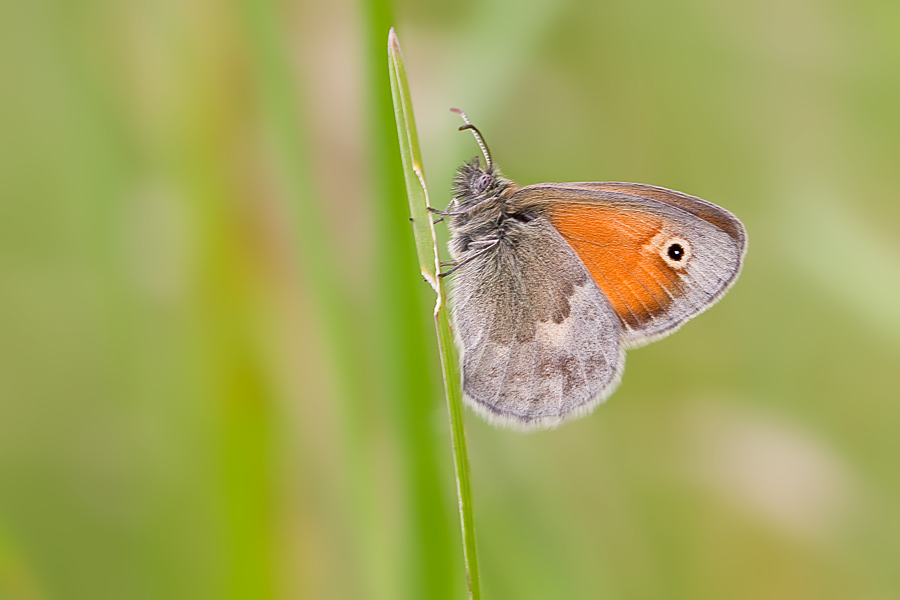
(539, 341)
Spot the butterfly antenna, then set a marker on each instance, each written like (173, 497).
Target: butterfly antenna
(478, 137)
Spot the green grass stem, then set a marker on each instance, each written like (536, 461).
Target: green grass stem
(429, 264)
(427, 563)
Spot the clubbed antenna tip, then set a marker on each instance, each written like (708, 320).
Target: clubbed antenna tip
(478, 137)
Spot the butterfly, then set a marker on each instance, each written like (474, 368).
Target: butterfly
(552, 282)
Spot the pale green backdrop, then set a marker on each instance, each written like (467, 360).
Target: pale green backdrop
(217, 367)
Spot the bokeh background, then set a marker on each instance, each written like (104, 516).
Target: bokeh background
(218, 375)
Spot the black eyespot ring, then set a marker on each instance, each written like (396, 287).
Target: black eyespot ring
(676, 252)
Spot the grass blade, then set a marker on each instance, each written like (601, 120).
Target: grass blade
(427, 563)
(426, 245)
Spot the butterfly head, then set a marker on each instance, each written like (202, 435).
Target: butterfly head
(475, 184)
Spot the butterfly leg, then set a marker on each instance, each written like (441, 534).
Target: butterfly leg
(464, 211)
(489, 244)
(449, 210)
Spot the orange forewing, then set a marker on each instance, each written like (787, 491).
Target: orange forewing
(706, 211)
(619, 249)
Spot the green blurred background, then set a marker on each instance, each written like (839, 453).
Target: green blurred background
(217, 369)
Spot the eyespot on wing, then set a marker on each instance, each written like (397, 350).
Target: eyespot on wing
(625, 239)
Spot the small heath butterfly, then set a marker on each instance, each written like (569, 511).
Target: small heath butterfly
(554, 281)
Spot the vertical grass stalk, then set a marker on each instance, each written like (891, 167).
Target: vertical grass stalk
(329, 297)
(429, 264)
(406, 370)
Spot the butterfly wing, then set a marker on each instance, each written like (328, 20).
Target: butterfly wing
(661, 257)
(539, 340)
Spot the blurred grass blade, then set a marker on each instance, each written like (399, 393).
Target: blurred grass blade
(16, 577)
(340, 330)
(426, 244)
